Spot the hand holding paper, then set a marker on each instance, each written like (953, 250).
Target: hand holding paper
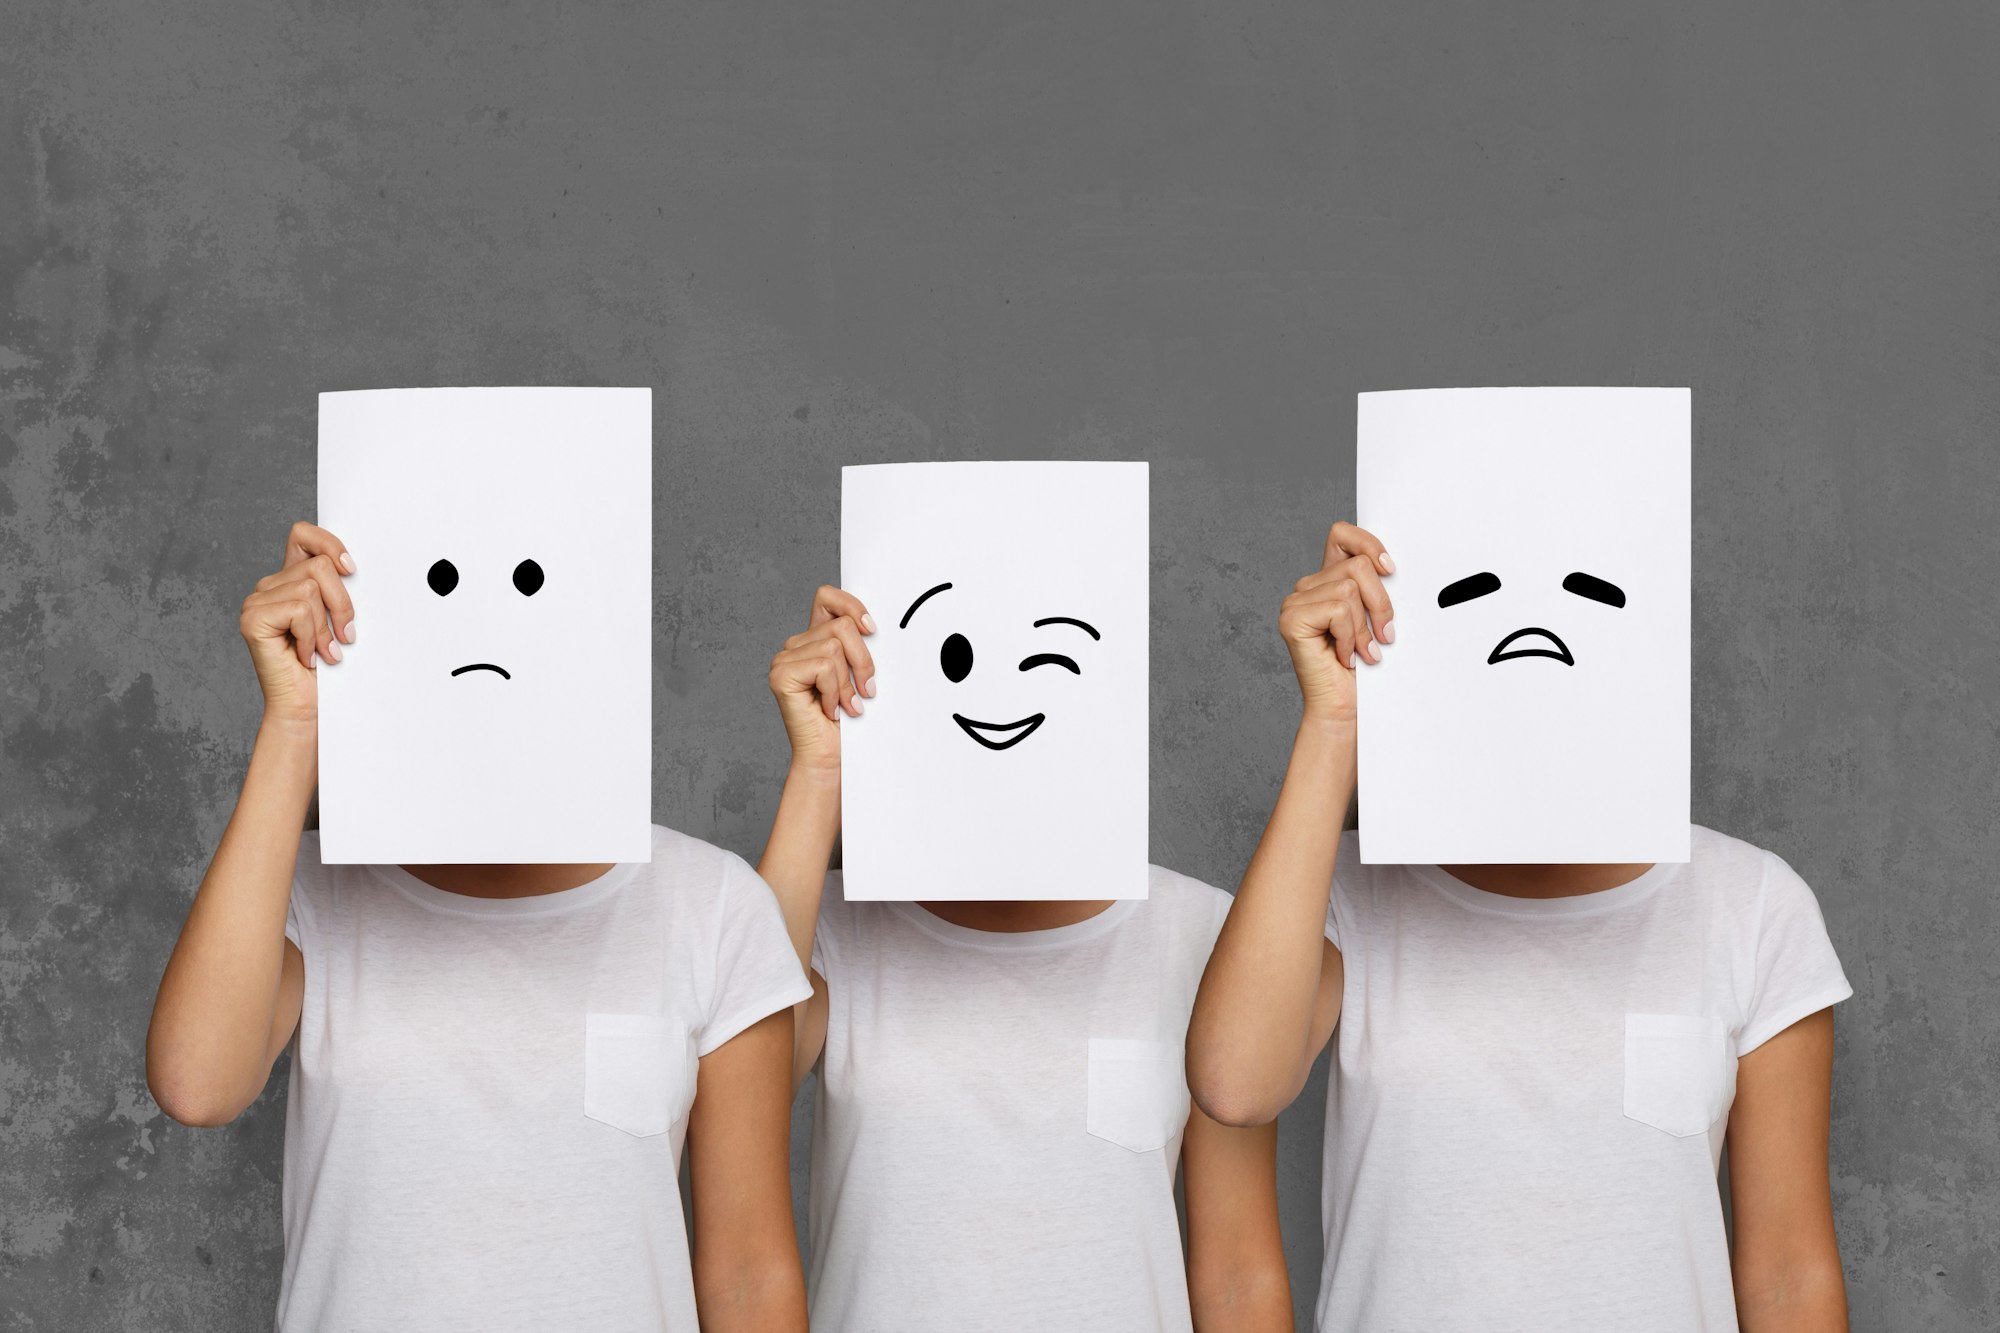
(295, 617)
(1336, 615)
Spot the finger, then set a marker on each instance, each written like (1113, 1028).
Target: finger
(819, 667)
(1320, 616)
(830, 603)
(1360, 571)
(844, 688)
(324, 574)
(1365, 645)
(860, 661)
(827, 682)
(305, 540)
(1344, 539)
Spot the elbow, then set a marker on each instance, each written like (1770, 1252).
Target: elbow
(192, 1107)
(1231, 1101)
(192, 1101)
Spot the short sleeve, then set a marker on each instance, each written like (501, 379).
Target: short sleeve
(831, 892)
(306, 873)
(1796, 971)
(756, 972)
(1345, 862)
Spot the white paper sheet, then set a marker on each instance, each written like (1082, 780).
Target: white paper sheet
(426, 753)
(968, 777)
(1573, 747)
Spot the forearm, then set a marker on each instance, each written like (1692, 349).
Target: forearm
(1798, 1294)
(1249, 1041)
(1248, 1298)
(208, 1050)
(751, 1293)
(801, 842)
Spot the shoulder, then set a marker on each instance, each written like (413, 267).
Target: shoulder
(702, 874)
(1742, 876)
(1185, 903)
(313, 881)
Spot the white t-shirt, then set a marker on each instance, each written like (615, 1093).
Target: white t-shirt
(1528, 1100)
(1000, 1117)
(489, 1096)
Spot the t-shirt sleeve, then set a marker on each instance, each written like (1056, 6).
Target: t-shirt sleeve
(1796, 972)
(831, 896)
(306, 873)
(756, 972)
(1344, 865)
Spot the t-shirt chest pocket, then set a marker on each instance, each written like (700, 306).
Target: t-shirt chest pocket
(638, 1071)
(1138, 1094)
(1679, 1075)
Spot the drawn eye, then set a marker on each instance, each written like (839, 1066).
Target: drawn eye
(955, 658)
(443, 577)
(1051, 659)
(528, 578)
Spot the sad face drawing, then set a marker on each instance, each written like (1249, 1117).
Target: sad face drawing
(957, 660)
(442, 577)
(1533, 640)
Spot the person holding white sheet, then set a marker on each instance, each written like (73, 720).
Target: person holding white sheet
(1536, 1065)
(495, 1065)
(1002, 1112)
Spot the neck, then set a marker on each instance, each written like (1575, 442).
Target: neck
(508, 881)
(1011, 918)
(1547, 881)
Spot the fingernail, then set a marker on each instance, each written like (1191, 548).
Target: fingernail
(347, 562)
(869, 688)
(332, 650)
(854, 707)
(347, 632)
(867, 623)
(1386, 632)
(1388, 565)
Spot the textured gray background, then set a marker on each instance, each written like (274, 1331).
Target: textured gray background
(899, 230)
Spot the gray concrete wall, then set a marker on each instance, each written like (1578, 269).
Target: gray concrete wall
(891, 230)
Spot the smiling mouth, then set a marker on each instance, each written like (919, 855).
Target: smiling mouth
(979, 731)
(483, 666)
(1548, 645)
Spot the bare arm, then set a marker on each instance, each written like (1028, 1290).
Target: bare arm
(230, 997)
(1785, 1258)
(817, 674)
(746, 1258)
(1236, 1258)
(1270, 997)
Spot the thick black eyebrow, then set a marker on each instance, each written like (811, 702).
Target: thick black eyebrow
(1469, 587)
(1596, 589)
(1069, 620)
(905, 623)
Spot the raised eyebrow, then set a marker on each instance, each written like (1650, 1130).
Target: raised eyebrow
(1068, 620)
(905, 622)
(1596, 589)
(1467, 588)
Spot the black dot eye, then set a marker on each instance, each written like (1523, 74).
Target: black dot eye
(443, 577)
(956, 658)
(528, 578)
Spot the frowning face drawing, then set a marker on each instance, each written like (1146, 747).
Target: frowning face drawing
(958, 661)
(1532, 640)
(497, 704)
(1534, 704)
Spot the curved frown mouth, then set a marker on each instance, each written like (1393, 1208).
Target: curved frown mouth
(984, 732)
(1541, 643)
(483, 666)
